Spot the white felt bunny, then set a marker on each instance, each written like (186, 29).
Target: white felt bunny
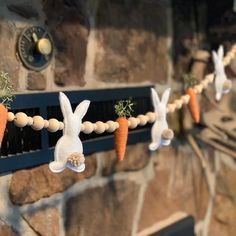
(160, 133)
(69, 150)
(222, 84)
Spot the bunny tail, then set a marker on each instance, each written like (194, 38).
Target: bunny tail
(153, 146)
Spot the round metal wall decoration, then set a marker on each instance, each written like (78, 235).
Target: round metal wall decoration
(35, 48)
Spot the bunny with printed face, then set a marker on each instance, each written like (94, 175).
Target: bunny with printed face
(222, 84)
(160, 133)
(69, 150)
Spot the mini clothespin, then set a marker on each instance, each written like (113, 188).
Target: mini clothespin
(160, 133)
(222, 84)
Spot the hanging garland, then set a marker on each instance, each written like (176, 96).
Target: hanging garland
(21, 119)
(69, 149)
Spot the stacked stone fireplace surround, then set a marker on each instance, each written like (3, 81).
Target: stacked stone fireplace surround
(108, 44)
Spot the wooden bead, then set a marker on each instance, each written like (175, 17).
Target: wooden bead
(100, 127)
(111, 126)
(38, 123)
(53, 125)
(151, 116)
(198, 88)
(204, 83)
(210, 78)
(230, 54)
(116, 125)
(82, 127)
(178, 103)
(171, 107)
(10, 116)
(61, 125)
(30, 121)
(21, 119)
(88, 127)
(133, 122)
(233, 49)
(185, 98)
(94, 126)
(226, 60)
(142, 120)
(106, 126)
(46, 124)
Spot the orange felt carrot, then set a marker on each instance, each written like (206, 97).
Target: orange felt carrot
(193, 105)
(123, 109)
(121, 136)
(6, 95)
(3, 121)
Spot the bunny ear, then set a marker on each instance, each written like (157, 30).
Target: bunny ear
(155, 98)
(214, 57)
(165, 96)
(81, 109)
(220, 52)
(65, 105)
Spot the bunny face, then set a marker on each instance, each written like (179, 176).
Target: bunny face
(160, 126)
(69, 150)
(221, 80)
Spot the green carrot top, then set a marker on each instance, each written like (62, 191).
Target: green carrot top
(6, 90)
(189, 81)
(124, 108)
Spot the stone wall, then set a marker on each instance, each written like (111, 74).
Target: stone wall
(97, 43)
(101, 44)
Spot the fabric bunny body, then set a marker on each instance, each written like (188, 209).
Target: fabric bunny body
(156, 133)
(64, 148)
(70, 142)
(160, 124)
(220, 76)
